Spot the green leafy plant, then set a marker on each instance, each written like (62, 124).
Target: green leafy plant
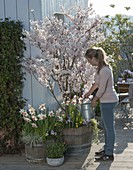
(11, 84)
(74, 117)
(55, 149)
(71, 113)
(97, 109)
(31, 139)
(118, 42)
(95, 130)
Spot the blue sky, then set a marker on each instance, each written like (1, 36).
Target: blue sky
(102, 7)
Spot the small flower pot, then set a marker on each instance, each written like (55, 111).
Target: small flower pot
(35, 153)
(55, 161)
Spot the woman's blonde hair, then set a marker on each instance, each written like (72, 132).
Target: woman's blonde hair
(99, 54)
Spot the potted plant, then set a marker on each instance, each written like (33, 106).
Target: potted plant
(62, 47)
(36, 129)
(127, 75)
(62, 61)
(55, 152)
(34, 147)
(78, 133)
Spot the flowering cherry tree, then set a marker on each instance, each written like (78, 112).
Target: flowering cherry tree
(63, 46)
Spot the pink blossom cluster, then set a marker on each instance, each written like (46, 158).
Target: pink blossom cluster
(62, 47)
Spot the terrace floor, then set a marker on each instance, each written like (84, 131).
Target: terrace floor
(123, 153)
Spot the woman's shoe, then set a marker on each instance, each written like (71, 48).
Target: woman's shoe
(100, 153)
(105, 158)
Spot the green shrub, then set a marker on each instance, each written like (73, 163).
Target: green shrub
(55, 149)
(11, 83)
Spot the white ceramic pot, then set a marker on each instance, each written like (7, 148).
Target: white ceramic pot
(55, 161)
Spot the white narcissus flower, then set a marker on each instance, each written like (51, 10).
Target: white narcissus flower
(34, 118)
(51, 113)
(67, 102)
(42, 116)
(27, 119)
(23, 112)
(46, 134)
(34, 125)
(80, 100)
(74, 101)
(60, 119)
(32, 111)
(42, 107)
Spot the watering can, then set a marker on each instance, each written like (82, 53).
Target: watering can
(87, 110)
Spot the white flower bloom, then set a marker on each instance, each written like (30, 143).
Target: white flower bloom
(24, 112)
(34, 125)
(42, 116)
(74, 101)
(60, 119)
(51, 113)
(31, 110)
(67, 102)
(63, 46)
(80, 100)
(34, 118)
(27, 119)
(47, 134)
(42, 107)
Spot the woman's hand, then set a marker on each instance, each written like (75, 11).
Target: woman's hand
(93, 103)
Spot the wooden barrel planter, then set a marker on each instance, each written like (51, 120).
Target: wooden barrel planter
(35, 153)
(78, 140)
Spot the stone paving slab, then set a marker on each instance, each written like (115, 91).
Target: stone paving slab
(18, 162)
(123, 153)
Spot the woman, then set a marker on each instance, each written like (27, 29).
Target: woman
(108, 99)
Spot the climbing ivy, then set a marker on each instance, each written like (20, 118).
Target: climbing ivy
(12, 47)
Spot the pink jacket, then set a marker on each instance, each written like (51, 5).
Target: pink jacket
(106, 91)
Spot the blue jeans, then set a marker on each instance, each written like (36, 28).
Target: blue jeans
(107, 120)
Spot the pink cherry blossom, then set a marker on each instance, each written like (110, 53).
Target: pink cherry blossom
(62, 47)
